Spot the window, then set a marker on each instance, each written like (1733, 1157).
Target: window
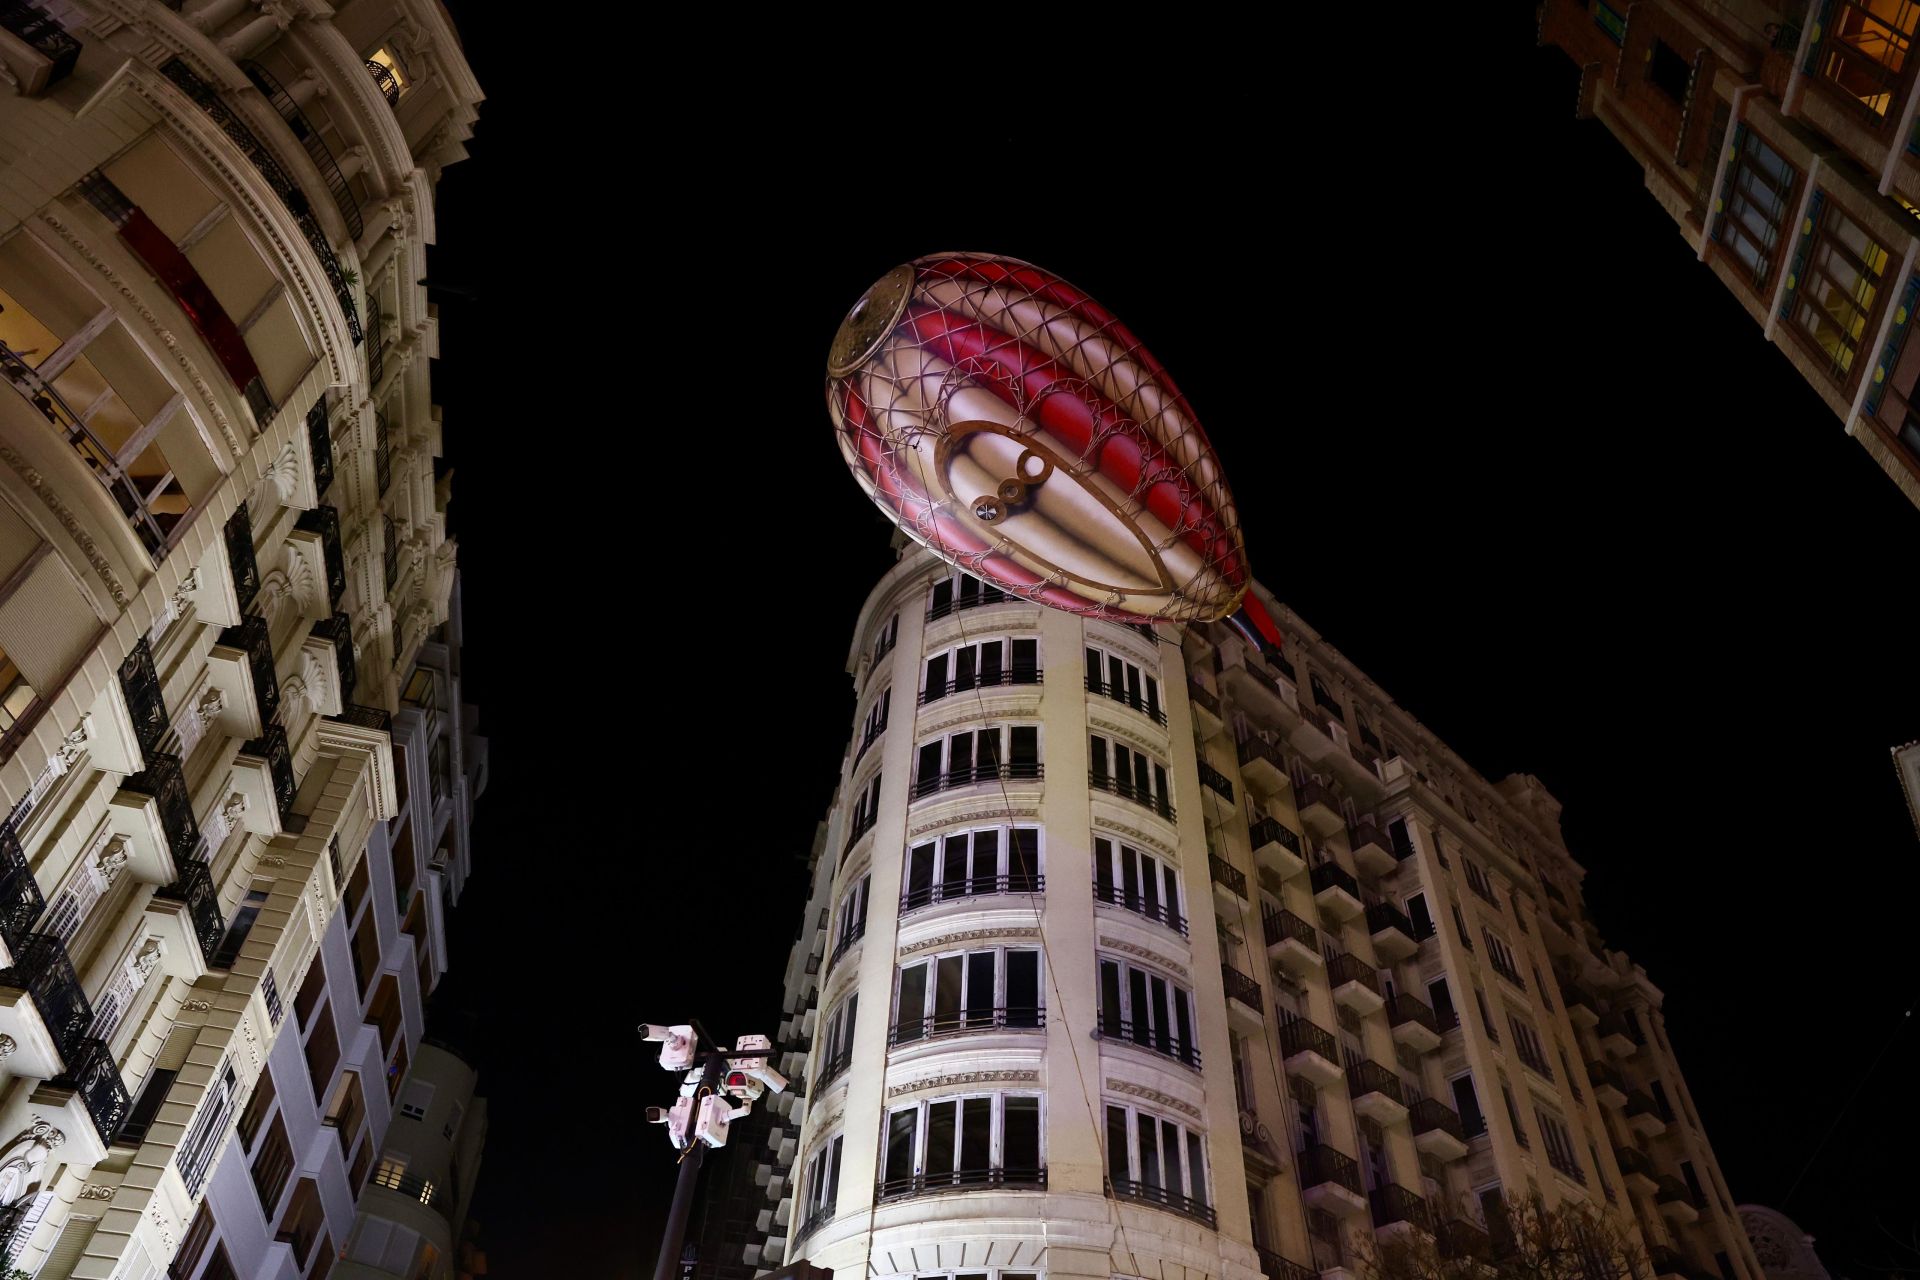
(1139, 1005)
(1501, 957)
(1140, 882)
(323, 1053)
(256, 1110)
(1401, 840)
(822, 1188)
(1467, 1102)
(1513, 1115)
(967, 991)
(202, 1142)
(1323, 697)
(389, 72)
(439, 771)
(1460, 926)
(1486, 1019)
(1157, 1160)
(1864, 53)
(1559, 1144)
(1420, 915)
(1440, 996)
(194, 1246)
(886, 637)
(416, 1100)
(304, 1222)
(1837, 290)
(853, 916)
(1693, 1181)
(1600, 1170)
(1123, 681)
(1667, 71)
(866, 812)
(272, 1167)
(962, 864)
(1660, 1100)
(875, 723)
(836, 1044)
(980, 664)
(1566, 1065)
(1131, 774)
(1546, 992)
(242, 924)
(1526, 1043)
(16, 695)
(953, 1144)
(1478, 882)
(978, 755)
(960, 591)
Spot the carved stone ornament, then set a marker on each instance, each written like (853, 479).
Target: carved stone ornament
(43, 1132)
(234, 809)
(273, 860)
(112, 859)
(211, 704)
(197, 1006)
(74, 743)
(189, 583)
(981, 815)
(959, 1078)
(7, 1046)
(95, 1191)
(1171, 966)
(1134, 834)
(1154, 1096)
(147, 957)
(969, 935)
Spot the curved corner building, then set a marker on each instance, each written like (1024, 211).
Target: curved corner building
(1131, 951)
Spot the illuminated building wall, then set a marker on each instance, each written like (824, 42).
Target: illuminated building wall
(1781, 138)
(223, 564)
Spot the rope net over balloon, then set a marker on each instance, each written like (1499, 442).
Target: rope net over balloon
(1015, 427)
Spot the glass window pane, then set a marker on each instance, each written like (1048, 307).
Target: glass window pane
(1117, 1144)
(1020, 1138)
(1023, 988)
(942, 1135)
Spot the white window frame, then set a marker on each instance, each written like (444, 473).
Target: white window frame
(1179, 996)
(1116, 866)
(998, 1014)
(1002, 877)
(1189, 1181)
(996, 1140)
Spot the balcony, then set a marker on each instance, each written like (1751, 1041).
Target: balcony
(1276, 849)
(1128, 697)
(1392, 932)
(1437, 1130)
(1636, 1169)
(1376, 1092)
(1319, 808)
(848, 941)
(1616, 1037)
(933, 1184)
(93, 1075)
(1370, 851)
(36, 52)
(1275, 1267)
(1457, 1239)
(965, 1022)
(195, 889)
(1215, 781)
(1309, 1051)
(376, 352)
(1331, 1181)
(1011, 676)
(264, 770)
(1260, 693)
(833, 1067)
(167, 823)
(1142, 796)
(316, 148)
(320, 447)
(1675, 1201)
(324, 521)
(970, 887)
(1354, 983)
(1262, 767)
(1608, 1086)
(337, 632)
(245, 570)
(241, 666)
(1160, 1040)
(1243, 992)
(820, 1216)
(1397, 1210)
(20, 899)
(1664, 1261)
(1159, 1196)
(1229, 886)
(145, 705)
(1116, 896)
(972, 775)
(1336, 892)
(1582, 1009)
(385, 81)
(1643, 1117)
(1292, 943)
(47, 1029)
(1206, 707)
(1414, 1023)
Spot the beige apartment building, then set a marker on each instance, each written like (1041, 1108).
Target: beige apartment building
(222, 548)
(1131, 950)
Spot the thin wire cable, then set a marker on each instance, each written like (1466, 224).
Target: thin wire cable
(1846, 1106)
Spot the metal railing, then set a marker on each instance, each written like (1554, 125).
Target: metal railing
(46, 36)
(271, 747)
(1366, 1076)
(1166, 913)
(1312, 791)
(1127, 697)
(20, 899)
(1275, 1267)
(92, 1073)
(1240, 987)
(1365, 831)
(1203, 697)
(1670, 1190)
(1251, 749)
(1430, 1114)
(983, 680)
(1344, 967)
(325, 521)
(1297, 1035)
(1505, 970)
(194, 887)
(1218, 781)
(411, 1185)
(1159, 1039)
(938, 1026)
(1633, 1160)
(927, 1184)
(389, 84)
(1331, 875)
(1383, 916)
(1280, 924)
(320, 445)
(338, 632)
(252, 638)
(43, 970)
(984, 596)
(1227, 874)
(1126, 790)
(1459, 1239)
(1405, 1007)
(1155, 1194)
(244, 567)
(1394, 1203)
(164, 780)
(376, 344)
(365, 717)
(832, 1067)
(1272, 831)
(971, 887)
(819, 1217)
(966, 776)
(317, 149)
(845, 944)
(862, 823)
(145, 702)
(1320, 1164)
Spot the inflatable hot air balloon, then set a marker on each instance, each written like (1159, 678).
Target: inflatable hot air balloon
(1013, 426)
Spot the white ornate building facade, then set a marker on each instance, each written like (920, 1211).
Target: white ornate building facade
(1135, 952)
(223, 558)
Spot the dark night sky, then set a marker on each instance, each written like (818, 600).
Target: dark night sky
(1493, 432)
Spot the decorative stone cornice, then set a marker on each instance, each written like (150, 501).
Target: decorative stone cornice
(959, 1078)
(969, 935)
(1144, 953)
(978, 815)
(977, 713)
(63, 514)
(1154, 1096)
(1118, 730)
(1135, 834)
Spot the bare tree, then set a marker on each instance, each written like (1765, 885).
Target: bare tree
(1526, 1240)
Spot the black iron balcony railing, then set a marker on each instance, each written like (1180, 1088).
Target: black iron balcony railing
(320, 445)
(240, 560)
(194, 887)
(1458, 1239)
(985, 771)
(325, 521)
(271, 746)
(1344, 967)
(208, 99)
(1430, 1114)
(929, 1184)
(1161, 1040)
(1366, 1076)
(1227, 874)
(1272, 831)
(20, 900)
(1155, 1194)
(1252, 749)
(166, 782)
(1640, 1104)
(1320, 1164)
(862, 823)
(413, 1186)
(1297, 1035)
(1126, 790)
(1403, 1008)
(830, 1069)
(92, 1073)
(1204, 697)
(42, 969)
(845, 944)
(1567, 1164)
(1218, 781)
(971, 887)
(938, 1026)
(1365, 831)
(972, 595)
(1275, 1267)
(1280, 924)
(1534, 1062)
(1166, 913)
(1240, 986)
(1505, 970)
(1483, 890)
(983, 680)
(365, 717)
(1575, 996)
(1127, 697)
(1384, 916)
(1616, 1024)
(1633, 1160)
(1394, 1203)
(1670, 1190)
(1605, 1077)
(818, 1217)
(376, 352)
(388, 83)
(1331, 875)
(382, 452)
(317, 149)
(338, 632)
(141, 685)
(1312, 791)
(47, 37)
(252, 638)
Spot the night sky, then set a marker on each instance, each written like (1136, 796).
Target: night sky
(1492, 431)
